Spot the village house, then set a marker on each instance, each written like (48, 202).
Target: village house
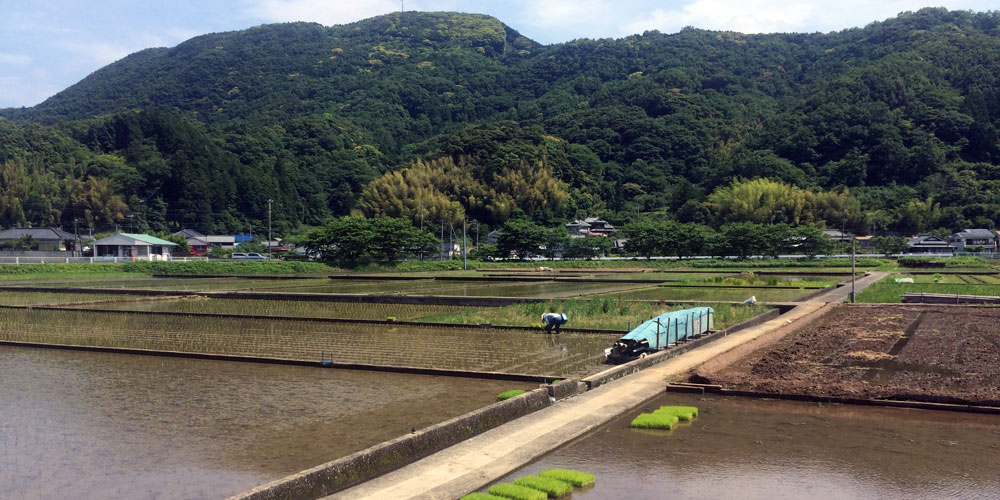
(46, 238)
(591, 226)
(134, 246)
(980, 240)
(928, 244)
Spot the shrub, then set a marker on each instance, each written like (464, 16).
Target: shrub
(503, 396)
(553, 487)
(683, 413)
(481, 496)
(576, 478)
(516, 492)
(655, 421)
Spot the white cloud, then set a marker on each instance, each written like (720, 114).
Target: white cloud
(771, 16)
(22, 91)
(14, 59)
(327, 12)
(97, 52)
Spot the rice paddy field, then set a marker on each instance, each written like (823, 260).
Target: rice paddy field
(42, 298)
(98, 426)
(475, 349)
(888, 291)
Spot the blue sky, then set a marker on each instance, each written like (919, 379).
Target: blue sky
(48, 45)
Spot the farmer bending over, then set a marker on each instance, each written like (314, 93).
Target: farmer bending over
(553, 320)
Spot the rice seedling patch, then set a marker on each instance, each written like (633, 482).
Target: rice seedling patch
(508, 490)
(665, 421)
(552, 487)
(683, 413)
(481, 496)
(576, 478)
(503, 396)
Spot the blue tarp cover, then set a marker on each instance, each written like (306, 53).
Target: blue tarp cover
(668, 328)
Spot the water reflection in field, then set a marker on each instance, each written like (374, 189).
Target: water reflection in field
(758, 449)
(97, 426)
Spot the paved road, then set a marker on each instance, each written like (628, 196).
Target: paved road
(843, 293)
(476, 462)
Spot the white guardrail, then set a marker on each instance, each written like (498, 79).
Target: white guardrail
(89, 260)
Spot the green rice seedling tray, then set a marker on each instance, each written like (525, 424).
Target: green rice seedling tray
(503, 396)
(552, 487)
(683, 413)
(481, 496)
(655, 421)
(576, 478)
(508, 490)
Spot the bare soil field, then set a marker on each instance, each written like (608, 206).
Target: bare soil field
(918, 352)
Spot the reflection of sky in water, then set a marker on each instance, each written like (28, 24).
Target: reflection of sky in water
(89, 425)
(748, 449)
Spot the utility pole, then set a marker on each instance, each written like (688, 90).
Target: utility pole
(78, 251)
(853, 274)
(268, 228)
(421, 228)
(442, 239)
(465, 259)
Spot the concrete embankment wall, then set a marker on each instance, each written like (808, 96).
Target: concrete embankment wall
(340, 474)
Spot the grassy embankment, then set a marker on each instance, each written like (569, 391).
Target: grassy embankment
(10, 271)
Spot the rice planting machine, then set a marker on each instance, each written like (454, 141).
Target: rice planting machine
(659, 333)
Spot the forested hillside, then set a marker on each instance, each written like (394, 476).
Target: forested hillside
(443, 116)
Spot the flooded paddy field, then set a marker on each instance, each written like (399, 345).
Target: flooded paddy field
(43, 298)
(917, 352)
(460, 348)
(289, 308)
(96, 426)
(766, 449)
(713, 294)
(585, 313)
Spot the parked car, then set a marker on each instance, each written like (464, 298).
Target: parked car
(248, 256)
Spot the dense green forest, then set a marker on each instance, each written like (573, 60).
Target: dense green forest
(441, 116)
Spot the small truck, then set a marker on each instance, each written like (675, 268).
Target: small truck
(659, 333)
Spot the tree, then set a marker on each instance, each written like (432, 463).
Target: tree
(520, 237)
(810, 241)
(556, 241)
(643, 237)
(888, 245)
(588, 247)
(392, 238)
(743, 239)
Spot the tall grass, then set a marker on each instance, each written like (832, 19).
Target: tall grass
(605, 312)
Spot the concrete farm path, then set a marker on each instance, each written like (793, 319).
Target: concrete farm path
(481, 460)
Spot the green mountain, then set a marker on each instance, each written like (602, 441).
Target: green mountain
(905, 113)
